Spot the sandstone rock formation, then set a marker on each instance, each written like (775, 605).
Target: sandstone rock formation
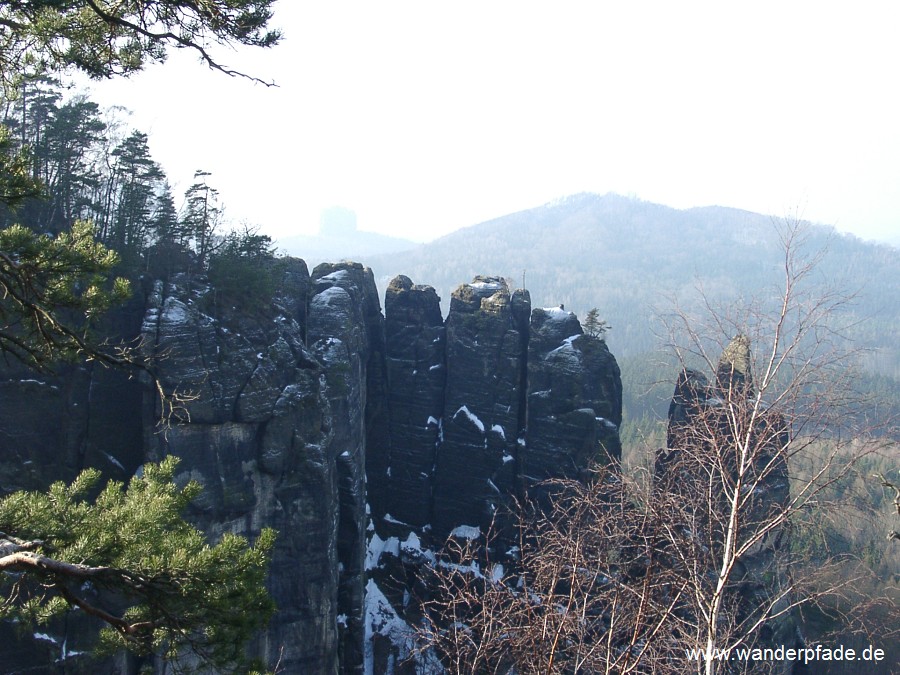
(574, 398)
(362, 439)
(346, 332)
(484, 411)
(260, 438)
(719, 431)
(52, 425)
(415, 343)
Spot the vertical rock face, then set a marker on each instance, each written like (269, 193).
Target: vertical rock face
(346, 332)
(762, 570)
(311, 412)
(53, 426)
(574, 398)
(415, 341)
(259, 439)
(487, 336)
(467, 387)
(279, 435)
(690, 397)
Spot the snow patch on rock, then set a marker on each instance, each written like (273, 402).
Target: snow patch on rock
(466, 532)
(174, 311)
(382, 619)
(377, 547)
(473, 418)
(556, 313)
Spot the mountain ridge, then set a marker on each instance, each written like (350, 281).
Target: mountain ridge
(622, 255)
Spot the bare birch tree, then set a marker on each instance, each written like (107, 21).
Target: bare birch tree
(783, 389)
(694, 575)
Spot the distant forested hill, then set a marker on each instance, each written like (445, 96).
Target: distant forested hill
(629, 258)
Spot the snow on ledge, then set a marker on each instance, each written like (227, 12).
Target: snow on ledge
(486, 285)
(174, 311)
(556, 313)
(472, 417)
(382, 619)
(388, 518)
(606, 423)
(377, 547)
(466, 532)
(337, 275)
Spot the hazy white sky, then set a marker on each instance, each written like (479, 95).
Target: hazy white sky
(424, 117)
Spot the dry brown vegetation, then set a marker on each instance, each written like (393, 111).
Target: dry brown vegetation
(764, 442)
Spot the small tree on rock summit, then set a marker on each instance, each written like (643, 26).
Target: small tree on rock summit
(594, 325)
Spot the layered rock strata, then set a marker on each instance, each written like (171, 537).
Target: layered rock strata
(52, 426)
(346, 333)
(259, 437)
(574, 399)
(483, 407)
(484, 403)
(415, 340)
(359, 437)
